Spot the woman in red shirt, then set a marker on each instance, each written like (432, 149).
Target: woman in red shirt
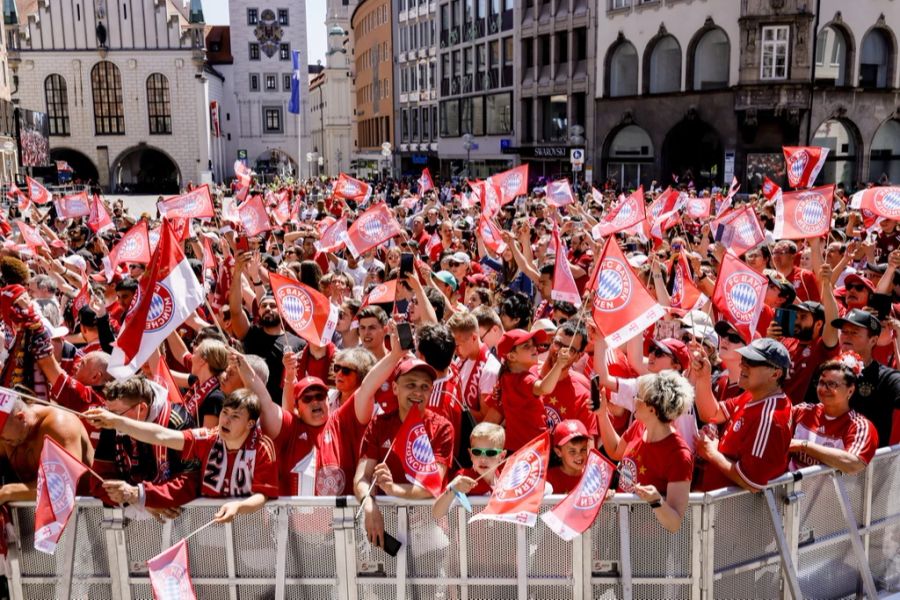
(654, 461)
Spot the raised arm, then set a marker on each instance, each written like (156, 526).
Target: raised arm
(240, 325)
(149, 433)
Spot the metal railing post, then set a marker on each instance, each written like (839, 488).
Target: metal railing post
(788, 571)
(281, 536)
(581, 565)
(229, 561)
(113, 526)
(462, 523)
(67, 557)
(625, 551)
(865, 573)
(403, 557)
(343, 527)
(708, 551)
(696, 549)
(15, 558)
(521, 561)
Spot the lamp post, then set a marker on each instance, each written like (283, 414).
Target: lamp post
(321, 166)
(576, 140)
(309, 159)
(468, 144)
(387, 154)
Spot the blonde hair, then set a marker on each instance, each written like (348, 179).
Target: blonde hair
(215, 353)
(492, 432)
(667, 392)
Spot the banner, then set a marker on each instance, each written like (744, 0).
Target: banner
(310, 314)
(196, 204)
(881, 201)
(740, 294)
(372, 228)
(804, 214)
(413, 448)
(803, 164)
(57, 477)
(577, 511)
(512, 183)
(73, 206)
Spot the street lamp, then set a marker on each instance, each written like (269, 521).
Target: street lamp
(321, 166)
(468, 144)
(387, 153)
(309, 159)
(576, 140)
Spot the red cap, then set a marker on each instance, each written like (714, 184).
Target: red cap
(476, 279)
(569, 430)
(308, 383)
(854, 278)
(517, 337)
(676, 349)
(413, 364)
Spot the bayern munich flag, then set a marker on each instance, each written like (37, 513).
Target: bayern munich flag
(169, 294)
(134, 247)
(253, 216)
(57, 477)
(627, 213)
(348, 188)
(520, 488)
(73, 206)
(490, 235)
(196, 204)
(332, 238)
(881, 201)
(425, 181)
(372, 228)
(804, 214)
(564, 288)
(383, 293)
(512, 183)
(99, 219)
(577, 511)
(413, 448)
(170, 574)
(36, 192)
(803, 164)
(7, 403)
(559, 193)
(310, 314)
(740, 294)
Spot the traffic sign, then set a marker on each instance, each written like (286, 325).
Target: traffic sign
(576, 156)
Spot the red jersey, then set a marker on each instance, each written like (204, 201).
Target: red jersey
(310, 366)
(805, 283)
(561, 482)
(571, 399)
(806, 358)
(757, 437)
(523, 413)
(383, 429)
(226, 473)
(446, 401)
(71, 393)
(653, 463)
(482, 487)
(337, 450)
(851, 432)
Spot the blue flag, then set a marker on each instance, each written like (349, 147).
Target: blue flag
(294, 104)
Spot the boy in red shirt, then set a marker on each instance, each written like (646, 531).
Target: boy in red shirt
(571, 443)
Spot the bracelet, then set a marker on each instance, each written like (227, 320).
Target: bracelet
(257, 283)
(656, 503)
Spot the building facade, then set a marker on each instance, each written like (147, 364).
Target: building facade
(702, 90)
(373, 77)
(476, 58)
(110, 102)
(415, 30)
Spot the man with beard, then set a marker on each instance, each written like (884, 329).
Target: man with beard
(268, 338)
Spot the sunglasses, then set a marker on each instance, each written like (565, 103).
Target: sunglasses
(830, 385)
(856, 287)
(489, 452)
(310, 398)
(734, 338)
(344, 370)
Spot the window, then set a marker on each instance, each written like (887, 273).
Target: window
(450, 118)
(57, 98)
(623, 71)
(254, 82)
(271, 82)
(617, 4)
(478, 115)
(404, 125)
(711, 61)
(286, 82)
(272, 119)
(284, 51)
(774, 52)
(106, 85)
(254, 51)
(665, 66)
(252, 16)
(159, 107)
(283, 17)
(426, 127)
(498, 113)
(875, 60)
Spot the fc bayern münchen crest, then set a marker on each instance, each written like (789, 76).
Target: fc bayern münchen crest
(741, 296)
(810, 212)
(419, 455)
(798, 162)
(613, 285)
(594, 483)
(162, 307)
(520, 479)
(296, 306)
(888, 203)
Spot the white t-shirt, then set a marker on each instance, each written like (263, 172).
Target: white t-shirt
(358, 274)
(686, 424)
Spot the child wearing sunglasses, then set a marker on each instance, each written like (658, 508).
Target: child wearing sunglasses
(486, 451)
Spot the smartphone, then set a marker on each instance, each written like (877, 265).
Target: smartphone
(595, 392)
(391, 544)
(404, 331)
(631, 247)
(882, 305)
(406, 263)
(242, 243)
(786, 319)
(720, 233)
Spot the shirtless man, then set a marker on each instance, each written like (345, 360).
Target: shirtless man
(22, 440)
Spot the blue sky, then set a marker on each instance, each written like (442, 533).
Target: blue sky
(216, 13)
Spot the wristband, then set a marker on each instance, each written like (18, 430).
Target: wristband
(656, 503)
(257, 283)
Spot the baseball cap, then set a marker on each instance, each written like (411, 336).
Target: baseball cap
(517, 337)
(694, 318)
(812, 307)
(414, 364)
(860, 318)
(785, 287)
(854, 278)
(568, 430)
(447, 278)
(676, 349)
(545, 325)
(704, 332)
(769, 351)
(76, 261)
(308, 383)
(724, 328)
(460, 257)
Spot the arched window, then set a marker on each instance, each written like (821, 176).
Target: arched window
(711, 56)
(630, 157)
(885, 157)
(664, 66)
(874, 59)
(159, 107)
(109, 113)
(831, 57)
(623, 71)
(57, 98)
(840, 139)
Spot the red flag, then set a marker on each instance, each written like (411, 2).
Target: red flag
(881, 201)
(73, 206)
(803, 164)
(491, 198)
(310, 314)
(7, 402)
(577, 511)
(57, 476)
(196, 204)
(32, 238)
(698, 207)
(169, 294)
(254, 217)
(490, 235)
(333, 237)
(282, 210)
(209, 255)
(164, 378)
(223, 283)
(669, 212)
(622, 306)
(685, 294)
(13, 191)
(519, 490)
(38, 193)
(740, 294)
(381, 293)
(726, 204)
(804, 214)
(627, 213)
(564, 288)
(425, 181)
(241, 194)
(82, 298)
(99, 220)
(170, 574)
(134, 247)
(559, 193)
(512, 183)
(662, 204)
(372, 228)
(413, 448)
(352, 189)
(742, 230)
(241, 170)
(770, 189)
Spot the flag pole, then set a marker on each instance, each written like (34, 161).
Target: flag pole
(40, 401)
(198, 530)
(372, 485)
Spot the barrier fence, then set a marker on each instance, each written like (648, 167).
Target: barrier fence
(818, 534)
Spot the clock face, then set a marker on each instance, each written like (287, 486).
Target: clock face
(268, 32)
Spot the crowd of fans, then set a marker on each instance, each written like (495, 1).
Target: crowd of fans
(235, 405)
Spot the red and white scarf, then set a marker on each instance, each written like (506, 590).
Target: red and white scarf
(216, 467)
(197, 394)
(472, 385)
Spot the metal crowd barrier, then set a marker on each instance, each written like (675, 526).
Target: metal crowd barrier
(817, 535)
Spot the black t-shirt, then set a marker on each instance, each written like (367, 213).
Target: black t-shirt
(876, 398)
(211, 405)
(271, 348)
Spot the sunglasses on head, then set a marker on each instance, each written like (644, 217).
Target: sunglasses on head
(489, 452)
(344, 370)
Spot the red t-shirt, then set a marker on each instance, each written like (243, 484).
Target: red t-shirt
(562, 483)
(482, 487)
(653, 463)
(851, 432)
(337, 451)
(310, 366)
(806, 358)
(523, 412)
(805, 283)
(571, 399)
(757, 437)
(71, 393)
(383, 429)
(446, 401)
(200, 444)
